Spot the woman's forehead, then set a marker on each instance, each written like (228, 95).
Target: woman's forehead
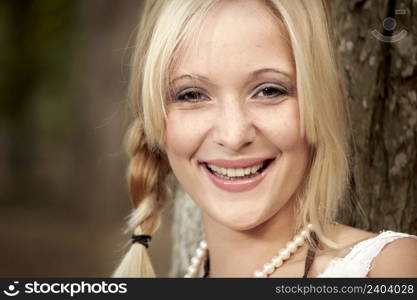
(236, 35)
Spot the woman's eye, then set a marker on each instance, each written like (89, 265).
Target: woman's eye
(271, 92)
(191, 96)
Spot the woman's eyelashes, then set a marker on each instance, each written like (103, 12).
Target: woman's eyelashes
(191, 95)
(270, 91)
(267, 91)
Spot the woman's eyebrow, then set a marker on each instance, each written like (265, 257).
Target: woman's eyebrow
(191, 76)
(256, 73)
(251, 75)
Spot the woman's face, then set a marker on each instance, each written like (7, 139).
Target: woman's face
(234, 99)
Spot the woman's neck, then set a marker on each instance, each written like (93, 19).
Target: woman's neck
(235, 253)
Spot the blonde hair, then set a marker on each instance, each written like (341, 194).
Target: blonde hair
(323, 111)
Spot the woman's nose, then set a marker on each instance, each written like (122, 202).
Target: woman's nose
(234, 128)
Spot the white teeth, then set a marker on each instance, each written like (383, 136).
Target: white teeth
(230, 172)
(240, 172)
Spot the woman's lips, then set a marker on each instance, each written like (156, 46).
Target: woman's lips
(238, 163)
(237, 185)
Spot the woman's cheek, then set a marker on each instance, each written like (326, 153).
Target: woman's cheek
(184, 131)
(281, 125)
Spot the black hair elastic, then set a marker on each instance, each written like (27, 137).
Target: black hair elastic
(141, 239)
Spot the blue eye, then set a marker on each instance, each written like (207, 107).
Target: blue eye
(271, 92)
(191, 96)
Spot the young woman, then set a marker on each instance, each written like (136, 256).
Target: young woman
(242, 103)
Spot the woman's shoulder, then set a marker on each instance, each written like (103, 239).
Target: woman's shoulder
(397, 258)
(348, 236)
(385, 254)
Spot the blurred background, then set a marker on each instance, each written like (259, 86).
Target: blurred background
(63, 76)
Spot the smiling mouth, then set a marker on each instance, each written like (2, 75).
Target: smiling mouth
(233, 174)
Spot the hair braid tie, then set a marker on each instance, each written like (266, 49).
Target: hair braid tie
(142, 239)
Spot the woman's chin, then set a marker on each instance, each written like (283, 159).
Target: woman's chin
(241, 222)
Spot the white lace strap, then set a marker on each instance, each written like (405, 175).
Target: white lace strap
(358, 261)
(364, 252)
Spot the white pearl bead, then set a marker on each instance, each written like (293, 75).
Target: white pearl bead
(192, 270)
(284, 253)
(291, 247)
(277, 261)
(310, 226)
(195, 261)
(203, 244)
(304, 233)
(269, 268)
(259, 274)
(299, 240)
(200, 253)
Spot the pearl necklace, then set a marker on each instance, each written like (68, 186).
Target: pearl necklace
(268, 268)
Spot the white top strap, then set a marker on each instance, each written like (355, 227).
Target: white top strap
(367, 250)
(358, 261)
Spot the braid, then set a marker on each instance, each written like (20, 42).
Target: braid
(149, 188)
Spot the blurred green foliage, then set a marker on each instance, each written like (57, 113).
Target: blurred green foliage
(36, 89)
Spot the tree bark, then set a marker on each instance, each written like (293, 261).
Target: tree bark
(381, 83)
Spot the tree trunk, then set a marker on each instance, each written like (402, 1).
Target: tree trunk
(381, 77)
